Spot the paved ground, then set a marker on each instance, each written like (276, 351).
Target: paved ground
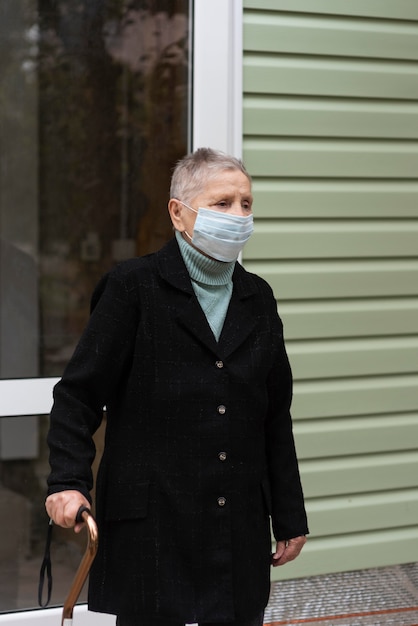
(374, 597)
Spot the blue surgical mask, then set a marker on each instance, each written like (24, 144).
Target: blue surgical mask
(221, 236)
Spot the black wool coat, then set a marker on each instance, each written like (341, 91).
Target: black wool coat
(199, 452)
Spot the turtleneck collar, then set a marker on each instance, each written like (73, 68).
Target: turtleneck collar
(203, 269)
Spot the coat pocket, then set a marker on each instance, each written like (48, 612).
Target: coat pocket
(127, 501)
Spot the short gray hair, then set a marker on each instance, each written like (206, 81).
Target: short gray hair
(195, 170)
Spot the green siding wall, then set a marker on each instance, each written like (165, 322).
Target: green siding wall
(331, 138)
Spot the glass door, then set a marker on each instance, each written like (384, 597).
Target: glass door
(96, 101)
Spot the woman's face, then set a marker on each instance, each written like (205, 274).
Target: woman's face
(229, 192)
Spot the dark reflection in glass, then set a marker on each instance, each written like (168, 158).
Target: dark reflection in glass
(94, 112)
(113, 85)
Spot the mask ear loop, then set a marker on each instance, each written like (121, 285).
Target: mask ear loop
(190, 209)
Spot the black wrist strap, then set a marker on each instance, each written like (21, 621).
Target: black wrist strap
(46, 567)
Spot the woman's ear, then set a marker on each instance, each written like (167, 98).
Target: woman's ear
(175, 210)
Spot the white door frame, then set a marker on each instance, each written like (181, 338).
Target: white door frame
(217, 75)
(216, 123)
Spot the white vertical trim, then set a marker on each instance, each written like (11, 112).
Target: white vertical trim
(217, 75)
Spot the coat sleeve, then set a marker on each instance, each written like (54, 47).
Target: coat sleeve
(287, 501)
(94, 371)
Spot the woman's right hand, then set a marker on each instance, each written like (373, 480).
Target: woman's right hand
(63, 506)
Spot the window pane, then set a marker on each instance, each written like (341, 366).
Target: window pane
(94, 113)
(24, 523)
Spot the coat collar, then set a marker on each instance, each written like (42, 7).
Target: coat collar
(239, 321)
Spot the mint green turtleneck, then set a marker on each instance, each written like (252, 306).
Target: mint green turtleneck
(212, 283)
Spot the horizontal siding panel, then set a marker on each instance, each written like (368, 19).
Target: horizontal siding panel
(360, 474)
(363, 513)
(399, 10)
(356, 396)
(328, 36)
(353, 357)
(364, 318)
(359, 435)
(283, 117)
(348, 279)
(352, 552)
(329, 158)
(340, 239)
(331, 77)
(276, 198)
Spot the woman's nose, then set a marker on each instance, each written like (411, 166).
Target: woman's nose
(237, 209)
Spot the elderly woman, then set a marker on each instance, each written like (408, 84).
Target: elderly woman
(185, 350)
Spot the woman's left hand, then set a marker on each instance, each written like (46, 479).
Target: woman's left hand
(287, 550)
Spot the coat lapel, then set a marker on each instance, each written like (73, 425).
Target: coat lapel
(188, 311)
(239, 321)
